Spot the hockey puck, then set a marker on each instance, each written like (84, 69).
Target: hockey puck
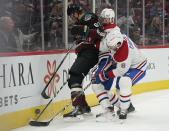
(37, 111)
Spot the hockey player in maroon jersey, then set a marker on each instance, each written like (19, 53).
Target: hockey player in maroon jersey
(86, 31)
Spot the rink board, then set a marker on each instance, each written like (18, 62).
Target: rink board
(23, 77)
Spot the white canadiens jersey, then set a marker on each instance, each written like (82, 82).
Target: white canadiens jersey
(127, 56)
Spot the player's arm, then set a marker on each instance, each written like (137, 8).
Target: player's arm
(96, 33)
(105, 62)
(123, 60)
(121, 57)
(85, 30)
(80, 30)
(121, 69)
(96, 28)
(89, 30)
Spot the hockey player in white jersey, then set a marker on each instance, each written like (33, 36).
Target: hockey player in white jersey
(119, 59)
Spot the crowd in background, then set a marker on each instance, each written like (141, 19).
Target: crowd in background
(153, 20)
(25, 31)
(20, 22)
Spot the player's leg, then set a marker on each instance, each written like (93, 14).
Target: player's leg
(113, 98)
(125, 83)
(101, 89)
(78, 71)
(103, 98)
(131, 108)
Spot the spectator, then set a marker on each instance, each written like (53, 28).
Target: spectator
(136, 34)
(167, 8)
(5, 8)
(137, 3)
(56, 10)
(156, 9)
(7, 40)
(167, 34)
(56, 36)
(155, 30)
(55, 25)
(24, 15)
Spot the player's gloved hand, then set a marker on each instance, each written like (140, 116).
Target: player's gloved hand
(101, 77)
(79, 42)
(75, 30)
(100, 31)
(93, 80)
(80, 30)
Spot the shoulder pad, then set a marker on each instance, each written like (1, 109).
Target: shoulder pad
(87, 17)
(122, 52)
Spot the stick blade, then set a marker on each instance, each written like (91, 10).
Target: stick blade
(38, 123)
(43, 94)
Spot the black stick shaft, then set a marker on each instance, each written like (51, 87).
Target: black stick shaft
(43, 92)
(43, 110)
(51, 101)
(37, 123)
(69, 103)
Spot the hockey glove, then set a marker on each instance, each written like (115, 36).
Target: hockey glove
(100, 78)
(80, 30)
(103, 76)
(100, 31)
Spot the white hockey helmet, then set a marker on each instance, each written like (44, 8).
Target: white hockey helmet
(108, 13)
(114, 39)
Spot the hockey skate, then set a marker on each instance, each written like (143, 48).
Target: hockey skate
(131, 108)
(108, 115)
(77, 113)
(123, 114)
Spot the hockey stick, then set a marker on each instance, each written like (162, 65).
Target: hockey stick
(43, 94)
(38, 123)
(51, 100)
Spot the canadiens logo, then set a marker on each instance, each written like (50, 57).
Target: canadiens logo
(51, 69)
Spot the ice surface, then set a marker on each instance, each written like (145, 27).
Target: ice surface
(152, 114)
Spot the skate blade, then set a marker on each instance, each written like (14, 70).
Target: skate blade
(72, 119)
(87, 114)
(105, 119)
(101, 119)
(122, 121)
